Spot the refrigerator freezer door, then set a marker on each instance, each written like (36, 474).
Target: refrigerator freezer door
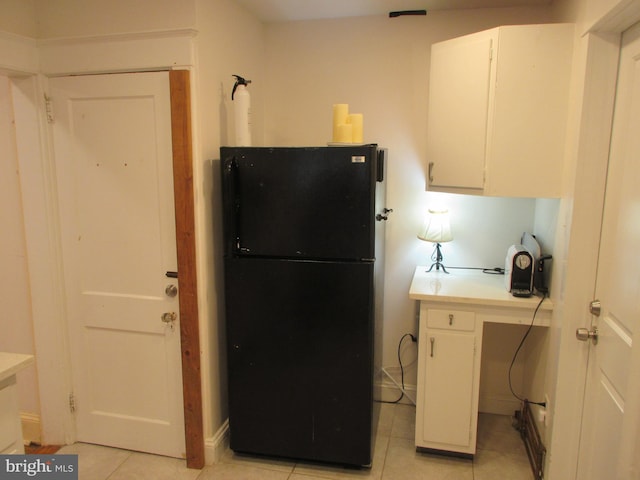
(306, 203)
(300, 345)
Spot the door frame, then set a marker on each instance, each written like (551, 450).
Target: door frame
(180, 93)
(29, 63)
(599, 43)
(44, 254)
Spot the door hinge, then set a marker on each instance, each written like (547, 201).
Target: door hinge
(48, 108)
(72, 403)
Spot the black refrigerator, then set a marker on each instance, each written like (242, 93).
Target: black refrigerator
(303, 257)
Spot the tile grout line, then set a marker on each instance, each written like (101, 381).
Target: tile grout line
(384, 458)
(129, 453)
(386, 453)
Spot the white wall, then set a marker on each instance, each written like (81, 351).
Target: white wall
(380, 67)
(18, 17)
(230, 41)
(76, 18)
(15, 294)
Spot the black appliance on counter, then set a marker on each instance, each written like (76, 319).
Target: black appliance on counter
(525, 268)
(303, 246)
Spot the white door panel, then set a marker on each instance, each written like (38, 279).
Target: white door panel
(112, 136)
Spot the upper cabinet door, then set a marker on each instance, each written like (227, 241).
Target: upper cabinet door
(498, 104)
(458, 106)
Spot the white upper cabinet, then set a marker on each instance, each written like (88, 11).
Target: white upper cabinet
(498, 103)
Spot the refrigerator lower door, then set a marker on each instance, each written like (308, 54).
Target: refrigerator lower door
(300, 358)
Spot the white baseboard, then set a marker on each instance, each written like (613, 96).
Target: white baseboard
(390, 393)
(389, 384)
(31, 428)
(499, 405)
(216, 446)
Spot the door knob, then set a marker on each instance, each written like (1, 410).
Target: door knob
(169, 318)
(595, 307)
(171, 290)
(584, 334)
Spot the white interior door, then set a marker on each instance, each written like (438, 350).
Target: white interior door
(610, 440)
(112, 138)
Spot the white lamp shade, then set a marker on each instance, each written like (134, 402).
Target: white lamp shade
(436, 228)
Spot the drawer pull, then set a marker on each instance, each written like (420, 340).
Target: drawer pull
(451, 320)
(432, 340)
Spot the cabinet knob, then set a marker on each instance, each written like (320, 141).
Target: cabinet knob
(451, 319)
(432, 340)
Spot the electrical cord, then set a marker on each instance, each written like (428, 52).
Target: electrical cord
(513, 360)
(413, 339)
(489, 270)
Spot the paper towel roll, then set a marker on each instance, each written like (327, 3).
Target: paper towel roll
(356, 121)
(340, 113)
(344, 133)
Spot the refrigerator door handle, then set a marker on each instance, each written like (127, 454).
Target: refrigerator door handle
(382, 155)
(231, 204)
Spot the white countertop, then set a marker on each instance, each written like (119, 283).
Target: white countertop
(11, 363)
(469, 286)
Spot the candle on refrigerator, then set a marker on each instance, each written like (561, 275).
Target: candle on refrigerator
(340, 113)
(344, 133)
(356, 121)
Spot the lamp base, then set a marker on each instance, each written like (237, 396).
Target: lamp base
(438, 265)
(437, 255)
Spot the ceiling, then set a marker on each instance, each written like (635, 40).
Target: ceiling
(290, 10)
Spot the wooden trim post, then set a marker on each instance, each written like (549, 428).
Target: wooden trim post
(187, 280)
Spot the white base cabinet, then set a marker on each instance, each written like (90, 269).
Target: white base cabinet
(453, 311)
(448, 379)
(10, 426)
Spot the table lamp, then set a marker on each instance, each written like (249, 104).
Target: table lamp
(436, 229)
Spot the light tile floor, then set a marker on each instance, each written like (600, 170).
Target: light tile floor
(500, 455)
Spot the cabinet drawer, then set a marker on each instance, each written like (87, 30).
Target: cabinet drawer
(451, 319)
